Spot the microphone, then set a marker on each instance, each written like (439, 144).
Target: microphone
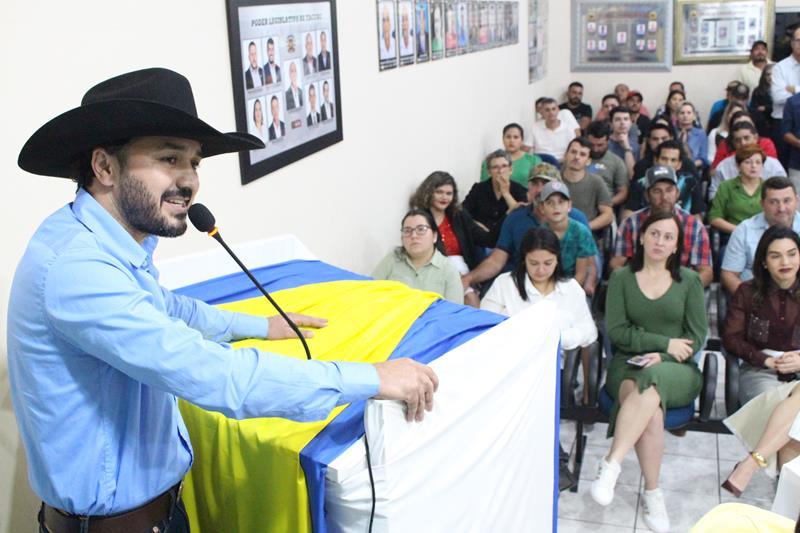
(202, 219)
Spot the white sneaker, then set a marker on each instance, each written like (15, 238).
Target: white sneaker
(654, 511)
(603, 487)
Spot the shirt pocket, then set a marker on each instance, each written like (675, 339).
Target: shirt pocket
(758, 330)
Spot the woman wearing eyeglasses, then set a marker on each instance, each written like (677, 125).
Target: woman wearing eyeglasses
(418, 263)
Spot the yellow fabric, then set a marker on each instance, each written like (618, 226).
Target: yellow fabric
(247, 475)
(742, 518)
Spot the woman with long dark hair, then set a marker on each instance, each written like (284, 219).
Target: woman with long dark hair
(539, 276)
(761, 103)
(656, 321)
(762, 328)
(459, 238)
(521, 161)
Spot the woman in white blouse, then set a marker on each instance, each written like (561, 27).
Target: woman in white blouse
(539, 277)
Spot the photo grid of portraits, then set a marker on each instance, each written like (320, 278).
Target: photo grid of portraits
(417, 31)
(729, 29)
(611, 33)
(288, 74)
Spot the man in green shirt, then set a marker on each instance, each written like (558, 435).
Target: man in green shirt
(606, 164)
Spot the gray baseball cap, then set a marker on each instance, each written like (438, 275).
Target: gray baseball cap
(554, 187)
(660, 173)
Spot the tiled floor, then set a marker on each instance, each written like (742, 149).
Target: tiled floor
(692, 470)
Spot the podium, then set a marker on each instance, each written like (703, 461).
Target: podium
(485, 459)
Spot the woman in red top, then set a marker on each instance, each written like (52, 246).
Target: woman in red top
(460, 238)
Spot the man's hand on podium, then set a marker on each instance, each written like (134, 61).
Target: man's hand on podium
(409, 382)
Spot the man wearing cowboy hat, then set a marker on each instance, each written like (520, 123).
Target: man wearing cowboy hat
(98, 351)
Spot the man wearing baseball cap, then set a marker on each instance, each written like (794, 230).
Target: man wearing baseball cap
(506, 254)
(750, 73)
(98, 351)
(578, 248)
(662, 194)
(639, 114)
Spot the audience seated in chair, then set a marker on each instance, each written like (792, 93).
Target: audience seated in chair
(779, 208)
(662, 194)
(418, 263)
(521, 161)
(458, 236)
(606, 164)
(718, 137)
(539, 277)
(694, 139)
(588, 191)
(624, 140)
(742, 134)
(654, 309)
(505, 255)
(670, 153)
(552, 135)
(726, 149)
(740, 198)
(764, 314)
(488, 202)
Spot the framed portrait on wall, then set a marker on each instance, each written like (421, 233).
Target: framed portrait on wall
(621, 35)
(721, 31)
(285, 74)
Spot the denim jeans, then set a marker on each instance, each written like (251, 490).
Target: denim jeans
(178, 524)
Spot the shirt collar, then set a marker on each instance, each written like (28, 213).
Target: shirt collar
(110, 233)
(436, 260)
(531, 289)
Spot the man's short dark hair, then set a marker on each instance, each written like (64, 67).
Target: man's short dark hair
(575, 84)
(83, 167)
(546, 100)
(583, 141)
(270, 42)
(611, 95)
(739, 126)
(776, 183)
(671, 144)
(759, 43)
(598, 129)
(660, 126)
(252, 43)
(683, 87)
(617, 110)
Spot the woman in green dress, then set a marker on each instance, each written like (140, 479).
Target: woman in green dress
(655, 317)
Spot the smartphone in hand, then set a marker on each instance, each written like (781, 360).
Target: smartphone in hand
(638, 361)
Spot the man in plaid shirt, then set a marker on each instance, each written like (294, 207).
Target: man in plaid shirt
(662, 194)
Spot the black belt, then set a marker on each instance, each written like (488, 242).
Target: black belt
(143, 518)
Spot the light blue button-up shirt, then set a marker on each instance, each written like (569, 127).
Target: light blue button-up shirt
(741, 249)
(98, 352)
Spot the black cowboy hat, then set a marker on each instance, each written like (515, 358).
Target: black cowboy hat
(149, 102)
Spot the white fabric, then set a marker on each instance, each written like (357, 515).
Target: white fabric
(727, 170)
(787, 497)
(482, 460)
(712, 142)
(572, 312)
(552, 142)
(190, 269)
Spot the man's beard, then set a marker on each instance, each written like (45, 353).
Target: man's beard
(597, 155)
(141, 211)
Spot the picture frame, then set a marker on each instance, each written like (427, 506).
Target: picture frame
(621, 35)
(285, 78)
(721, 31)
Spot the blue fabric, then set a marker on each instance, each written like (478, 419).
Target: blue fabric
(698, 144)
(288, 275)
(97, 352)
(674, 418)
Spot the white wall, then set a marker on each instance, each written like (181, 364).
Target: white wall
(344, 203)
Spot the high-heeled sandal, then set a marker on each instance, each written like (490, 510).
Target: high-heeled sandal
(733, 489)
